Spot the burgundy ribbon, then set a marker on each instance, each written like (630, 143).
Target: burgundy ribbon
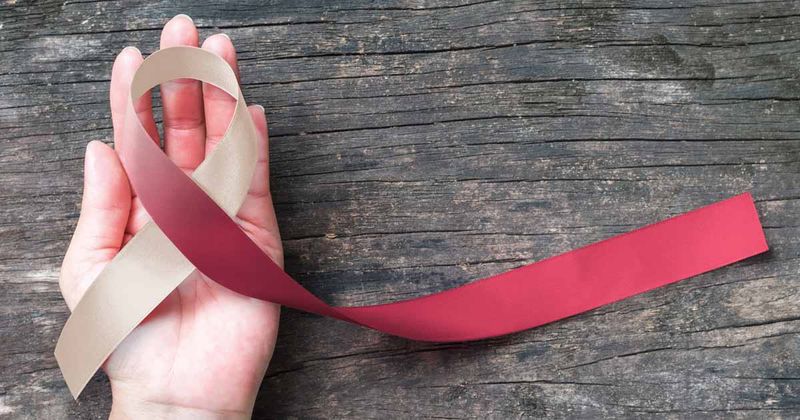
(558, 287)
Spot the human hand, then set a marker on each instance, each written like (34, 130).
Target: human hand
(204, 350)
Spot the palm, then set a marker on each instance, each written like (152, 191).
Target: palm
(201, 324)
(204, 347)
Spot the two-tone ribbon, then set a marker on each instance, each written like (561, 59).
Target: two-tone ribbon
(183, 209)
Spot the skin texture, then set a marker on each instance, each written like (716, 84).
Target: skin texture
(204, 351)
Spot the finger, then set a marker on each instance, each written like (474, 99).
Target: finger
(182, 99)
(101, 226)
(219, 106)
(106, 202)
(260, 185)
(125, 66)
(128, 60)
(257, 214)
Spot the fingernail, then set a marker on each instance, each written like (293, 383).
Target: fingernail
(225, 35)
(261, 108)
(90, 163)
(89, 153)
(184, 17)
(131, 47)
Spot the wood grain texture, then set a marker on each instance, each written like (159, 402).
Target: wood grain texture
(417, 146)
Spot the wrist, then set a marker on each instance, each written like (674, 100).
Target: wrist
(126, 405)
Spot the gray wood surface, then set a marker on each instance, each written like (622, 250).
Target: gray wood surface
(417, 146)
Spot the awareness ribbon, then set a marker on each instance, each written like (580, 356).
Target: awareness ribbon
(165, 251)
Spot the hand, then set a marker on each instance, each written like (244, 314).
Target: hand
(204, 350)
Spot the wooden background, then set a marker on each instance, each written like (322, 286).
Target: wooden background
(419, 145)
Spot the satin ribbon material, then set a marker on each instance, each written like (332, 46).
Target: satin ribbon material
(183, 209)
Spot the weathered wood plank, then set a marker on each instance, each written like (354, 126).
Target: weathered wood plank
(420, 145)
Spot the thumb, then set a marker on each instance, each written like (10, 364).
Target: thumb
(105, 208)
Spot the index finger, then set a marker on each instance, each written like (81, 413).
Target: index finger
(125, 66)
